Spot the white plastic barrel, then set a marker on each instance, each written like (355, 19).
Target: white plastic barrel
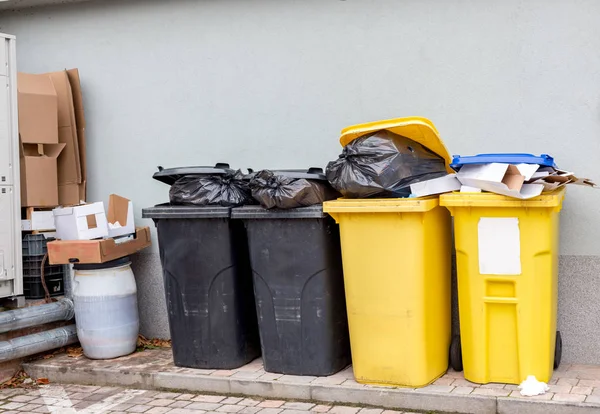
(105, 298)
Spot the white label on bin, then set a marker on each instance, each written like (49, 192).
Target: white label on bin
(499, 246)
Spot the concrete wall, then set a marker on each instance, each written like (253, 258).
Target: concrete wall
(269, 83)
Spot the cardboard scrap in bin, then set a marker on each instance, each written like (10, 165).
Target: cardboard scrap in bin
(97, 251)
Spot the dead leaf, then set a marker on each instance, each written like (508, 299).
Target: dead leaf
(42, 381)
(144, 343)
(19, 380)
(74, 351)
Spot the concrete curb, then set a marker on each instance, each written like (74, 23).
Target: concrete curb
(295, 389)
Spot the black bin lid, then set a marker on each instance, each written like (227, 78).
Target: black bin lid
(170, 175)
(313, 173)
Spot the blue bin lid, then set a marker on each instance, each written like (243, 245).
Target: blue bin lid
(507, 158)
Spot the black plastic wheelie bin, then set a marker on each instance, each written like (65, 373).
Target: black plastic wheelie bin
(208, 281)
(298, 285)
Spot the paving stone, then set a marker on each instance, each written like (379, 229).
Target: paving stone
(185, 411)
(230, 408)
(231, 400)
(250, 410)
(436, 388)
(12, 406)
(560, 389)
(371, 411)
(295, 412)
(321, 408)
(203, 406)
(339, 409)
(270, 411)
(544, 397)
(209, 398)
(186, 397)
(494, 392)
(594, 399)
(271, 403)
(462, 390)
(248, 402)
(28, 407)
(569, 397)
(492, 385)
(138, 409)
(461, 382)
(180, 404)
(567, 381)
(444, 381)
(158, 410)
(22, 398)
(298, 406)
(160, 402)
(581, 390)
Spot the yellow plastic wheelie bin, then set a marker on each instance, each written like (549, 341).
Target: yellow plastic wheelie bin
(507, 268)
(396, 256)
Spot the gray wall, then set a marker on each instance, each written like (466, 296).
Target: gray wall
(269, 83)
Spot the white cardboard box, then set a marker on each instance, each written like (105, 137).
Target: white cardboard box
(120, 210)
(84, 222)
(499, 178)
(439, 185)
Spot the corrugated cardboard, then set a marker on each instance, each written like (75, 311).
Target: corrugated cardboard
(75, 82)
(38, 109)
(498, 178)
(120, 210)
(39, 175)
(69, 166)
(96, 251)
(73, 194)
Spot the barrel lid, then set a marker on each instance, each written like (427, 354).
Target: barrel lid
(417, 128)
(123, 261)
(170, 175)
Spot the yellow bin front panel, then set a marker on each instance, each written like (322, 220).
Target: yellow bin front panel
(396, 258)
(507, 322)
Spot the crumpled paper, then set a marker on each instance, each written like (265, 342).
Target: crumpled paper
(531, 387)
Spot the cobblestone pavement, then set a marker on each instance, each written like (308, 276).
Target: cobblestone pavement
(82, 399)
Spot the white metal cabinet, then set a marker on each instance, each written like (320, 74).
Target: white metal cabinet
(10, 282)
(11, 265)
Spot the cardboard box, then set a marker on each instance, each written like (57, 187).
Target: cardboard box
(97, 251)
(39, 176)
(505, 179)
(75, 83)
(38, 109)
(39, 221)
(120, 216)
(84, 222)
(69, 167)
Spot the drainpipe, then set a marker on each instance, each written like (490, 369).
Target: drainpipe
(62, 310)
(36, 343)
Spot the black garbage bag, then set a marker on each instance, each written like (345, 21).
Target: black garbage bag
(383, 164)
(274, 190)
(226, 190)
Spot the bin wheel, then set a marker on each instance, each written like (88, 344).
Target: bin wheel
(557, 350)
(456, 354)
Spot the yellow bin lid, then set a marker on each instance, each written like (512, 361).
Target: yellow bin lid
(381, 205)
(417, 128)
(545, 200)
